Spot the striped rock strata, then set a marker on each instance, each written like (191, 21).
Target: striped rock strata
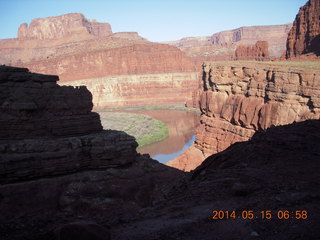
(238, 100)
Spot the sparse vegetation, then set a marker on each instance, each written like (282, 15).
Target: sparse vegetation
(145, 129)
(298, 64)
(291, 64)
(175, 107)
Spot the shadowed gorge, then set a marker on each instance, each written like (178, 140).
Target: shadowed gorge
(133, 196)
(278, 169)
(65, 156)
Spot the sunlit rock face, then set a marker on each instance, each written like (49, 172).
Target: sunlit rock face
(304, 37)
(61, 26)
(118, 68)
(239, 99)
(222, 45)
(259, 51)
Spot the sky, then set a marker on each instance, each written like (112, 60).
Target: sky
(156, 20)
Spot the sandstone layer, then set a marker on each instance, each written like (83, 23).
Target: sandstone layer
(140, 89)
(238, 100)
(76, 48)
(134, 59)
(222, 45)
(304, 37)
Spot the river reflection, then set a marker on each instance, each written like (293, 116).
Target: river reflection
(182, 127)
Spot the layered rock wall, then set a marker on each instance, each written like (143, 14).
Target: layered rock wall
(80, 50)
(34, 105)
(140, 89)
(237, 101)
(222, 45)
(46, 129)
(134, 59)
(258, 51)
(304, 37)
(132, 75)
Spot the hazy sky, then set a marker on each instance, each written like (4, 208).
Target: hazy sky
(156, 20)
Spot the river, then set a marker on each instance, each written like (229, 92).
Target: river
(182, 129)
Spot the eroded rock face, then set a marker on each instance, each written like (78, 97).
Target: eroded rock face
(222, 45)
(140, 89)
(46, 129)
(237, 101)
(119, 60)
(304, 37)
(258, 51)
(61, 26)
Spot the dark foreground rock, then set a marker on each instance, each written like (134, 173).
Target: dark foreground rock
(277, 170)
(58, 166)
(101, 189)
(82, 231)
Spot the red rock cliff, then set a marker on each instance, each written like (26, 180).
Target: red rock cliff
(119, 69)
(221, 45)
(238, 100)
(259, 51)
(122, 60)
(61, 26)
(304, 37)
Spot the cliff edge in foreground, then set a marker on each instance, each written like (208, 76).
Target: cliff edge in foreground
(276, 173)
(46, 129)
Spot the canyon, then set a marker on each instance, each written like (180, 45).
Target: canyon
(85, 51)
(78, 182)
(222, 45)
(124, 69)
(257, 147)
(50, 139)
(238, 99)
